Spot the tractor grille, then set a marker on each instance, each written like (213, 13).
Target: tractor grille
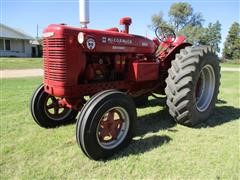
(54, 54)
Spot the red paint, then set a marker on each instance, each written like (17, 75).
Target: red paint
(144, 71)
(109, 126)
(126, 21)
(104, 60)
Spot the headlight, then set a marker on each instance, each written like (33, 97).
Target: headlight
(81, 37)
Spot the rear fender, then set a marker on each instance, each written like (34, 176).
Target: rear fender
(166, 63)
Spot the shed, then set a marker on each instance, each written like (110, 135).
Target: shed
(14, 43)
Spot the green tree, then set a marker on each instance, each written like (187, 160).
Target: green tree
(186, 22)
(193, 33)
(181, 14)
(231, 49)
(158, 20)
(212, 35)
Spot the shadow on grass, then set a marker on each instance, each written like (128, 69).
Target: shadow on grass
(149, 123)
(222, 115)
(162, 120)
(154, 122)
(220, 101)
(161, 101)
(139, 146)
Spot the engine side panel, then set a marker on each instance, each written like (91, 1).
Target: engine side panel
(71, 66)
(143, 71)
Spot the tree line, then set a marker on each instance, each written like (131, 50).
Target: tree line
(185, 21)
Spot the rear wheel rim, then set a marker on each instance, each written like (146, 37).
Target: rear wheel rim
(205, 88)
(113, 127)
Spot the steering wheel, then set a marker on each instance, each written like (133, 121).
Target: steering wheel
(165, 34)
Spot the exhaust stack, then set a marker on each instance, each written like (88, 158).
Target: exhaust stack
(84, 12)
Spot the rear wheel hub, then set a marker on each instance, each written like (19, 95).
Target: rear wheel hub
(205, 87)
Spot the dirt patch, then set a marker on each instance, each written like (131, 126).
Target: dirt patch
(39, 72)
(21, 73)
(230, 69)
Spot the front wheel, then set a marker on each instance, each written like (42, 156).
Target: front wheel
(193, 85)
(47, 112)
(106, 124)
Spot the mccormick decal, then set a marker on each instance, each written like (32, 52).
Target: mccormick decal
(111, 40)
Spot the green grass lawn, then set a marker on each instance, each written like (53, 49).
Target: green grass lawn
(20, 63)
(161, 149)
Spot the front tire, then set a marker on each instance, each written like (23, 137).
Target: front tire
(46, 111)
(106, 124)
(193, 85)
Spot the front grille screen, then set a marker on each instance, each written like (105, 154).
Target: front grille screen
(54, 54)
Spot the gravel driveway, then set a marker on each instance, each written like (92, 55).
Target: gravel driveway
(20, 73)
(39, 72)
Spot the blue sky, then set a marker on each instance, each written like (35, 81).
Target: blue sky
(26, 14)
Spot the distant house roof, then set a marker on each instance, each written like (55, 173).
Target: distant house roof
(8, 32)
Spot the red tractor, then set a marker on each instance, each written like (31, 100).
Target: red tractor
(117, 70)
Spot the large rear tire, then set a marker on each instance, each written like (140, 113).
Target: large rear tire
(106, 124)
(193, 85)
(46, 111)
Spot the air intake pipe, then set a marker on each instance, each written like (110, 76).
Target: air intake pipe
(84, 12)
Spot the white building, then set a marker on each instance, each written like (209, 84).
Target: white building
(14, 43)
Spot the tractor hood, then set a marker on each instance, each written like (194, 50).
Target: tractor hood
(104, 41)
